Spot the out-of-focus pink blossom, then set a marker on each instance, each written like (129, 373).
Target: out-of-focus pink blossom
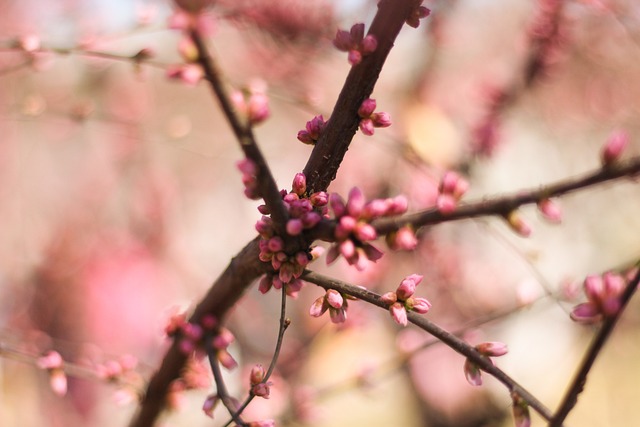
(518, 224)
(210, 404)
(451, 189)
(614, 147)
(492, 348)
(550, 211)
(603, 298)
(404, 239)
(398, 313)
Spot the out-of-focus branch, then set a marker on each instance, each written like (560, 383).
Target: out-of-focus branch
(502, 206)
(332, 145)
(267, 186)
(446, 337)
(578, 383)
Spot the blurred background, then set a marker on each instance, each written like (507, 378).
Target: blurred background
(120, 203)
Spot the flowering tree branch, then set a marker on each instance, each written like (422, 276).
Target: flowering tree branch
(327, 155)
(578, 383)
(458, 345)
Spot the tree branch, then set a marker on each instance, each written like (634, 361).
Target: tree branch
(578, 383)
(446, 337)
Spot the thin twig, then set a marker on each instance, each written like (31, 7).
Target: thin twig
(221, 388)
(446, 337)
(578, 383)
(267, 186)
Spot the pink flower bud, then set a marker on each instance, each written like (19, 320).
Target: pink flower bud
(51, 360)
(550, 211)
(371, 252)
(472, 373)
(258, 108)
(247, 167)
(381, 119)
(406, 289)
(275, 244)
(367, 127)
(311, 219)
(389, 298)
(299, 185)
(191, 74)
(357, 32)
(419, 305)
(257, 374)
(521, 415)
(58, 381)
(318, 307)
(342, 40)
(593, 287)
(365, 232)
(614, 147)
(398, 205)
(367, 108)
(226, 359)
(334, 299)
(414, 19)
(369, 44)
(262, 389)
(518, 224)
(319, 199)
(223, 339)
(210, 404)
(188, 49)
(492, 348)
(338, 315)
(446, 203)
(294, 226)
(354, 57)
(348, 249)
(404, 239)
(337, 205)
(355, 202)
(586, 313)
(398, 313)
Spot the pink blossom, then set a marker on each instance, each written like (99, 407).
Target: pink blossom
(334, 298)
(58, 381)
(318, 307)
(614, 147)
(419, 305)
(51, 360)
(210, 404)
(398, 313)
(355, 43)
(299, 185)
(418, 13)
(472, 373)
(493, 348)
(603, 295)
(258, 108)
(550, 210)
(518, 224)
(404, 239)
(257, 374)
(370, 120)
(262, 389)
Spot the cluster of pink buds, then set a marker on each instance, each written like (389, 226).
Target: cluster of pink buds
(249, 178)
(312, 131)
(189, 16)
(353, 229)
(333, 301)
(402, 300)
(603, 298)
(418, 13)
(355, 43)
(487, 349)
(452, 188)
(614, 147)
(259, 387)
(305, 212)
(252, 103)
(54, 364)
(370, 120)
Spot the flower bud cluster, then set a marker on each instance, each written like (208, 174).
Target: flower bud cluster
(312, 131)
(452, 188)
(187, 17)
(353, 229)
(252, 103)
(603, 298)
(370, 120)
(333, 301)
(54, 364)
(355, 43)
(487, 349)
(305, 212)
(418, 13)
(402, 300)
(259, 387)
(249, 178)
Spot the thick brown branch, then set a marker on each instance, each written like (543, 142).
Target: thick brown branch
(243, 269)
(330, 149)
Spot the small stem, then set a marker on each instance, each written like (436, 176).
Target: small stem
(284, 324)
(446, 337)
(578, 383)
(221, 387)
